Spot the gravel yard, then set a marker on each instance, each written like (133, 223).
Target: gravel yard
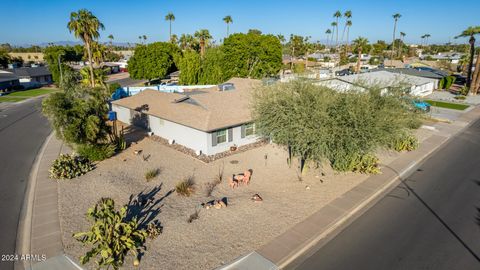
(218, 235)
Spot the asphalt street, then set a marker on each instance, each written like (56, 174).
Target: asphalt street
(430, 221)
(23, 130)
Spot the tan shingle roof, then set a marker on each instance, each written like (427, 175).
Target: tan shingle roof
(206, 109)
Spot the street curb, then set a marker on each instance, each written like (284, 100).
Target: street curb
(25, 222)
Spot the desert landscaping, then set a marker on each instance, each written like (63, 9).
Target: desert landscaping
(214, 236)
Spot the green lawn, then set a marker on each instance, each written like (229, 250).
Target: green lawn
(447, 105)
(22, 95)
(11, 99)
(32, 92)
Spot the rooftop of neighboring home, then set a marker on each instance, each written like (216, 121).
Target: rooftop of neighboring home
(432, 74)
(30, 71)
(6, 76)
(384, 78)
(207, 109)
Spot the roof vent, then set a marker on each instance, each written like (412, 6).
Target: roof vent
(226, 87)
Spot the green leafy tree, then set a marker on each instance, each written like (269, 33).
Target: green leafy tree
(112, 235)
(190, 65)
(170, 18)
(252, 55)
(213, 70)
(86, 26)
(4, 58)
(78, 114)
(153, 61)
(316, 123)
(61, 55)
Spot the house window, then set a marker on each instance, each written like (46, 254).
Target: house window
(221, 136)
(249, 129)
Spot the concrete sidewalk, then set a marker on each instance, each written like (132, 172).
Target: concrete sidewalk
(40, 232)
(291, 248)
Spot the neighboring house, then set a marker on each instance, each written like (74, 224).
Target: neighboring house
(8, 80)
(208, 121)
(433, 74)
(39, 74)
(419, 86)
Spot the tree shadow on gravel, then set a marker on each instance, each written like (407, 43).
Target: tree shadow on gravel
(146, 206)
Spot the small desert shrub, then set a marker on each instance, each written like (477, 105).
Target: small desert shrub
(186, 187)
(404, 142)
(150, 174)
(460, 97)
(153, 230)
(70, 166)
(111, 236)
(210, 186)
(366, 163)
(96, 152)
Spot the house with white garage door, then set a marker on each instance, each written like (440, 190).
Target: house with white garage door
(418, 86)
(208, 121)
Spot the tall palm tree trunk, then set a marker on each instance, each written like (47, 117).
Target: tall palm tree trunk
(470, 64)
(348, 33)
(393, 42)
(202, 47)
(170, 30)
(228, 30)
(90, 62)
(476, 76)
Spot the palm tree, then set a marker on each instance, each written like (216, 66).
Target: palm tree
(328, 32)
(281, 38)
(186, 41)
(170, 18)
(203, 36)
(111, 39)
(337, 15)
(470, 32)
(349, 24)
(402, 36)
(86, 26)
(174, 39)
(140, 39)
(334, 25)
(426, 39)
(359, 44)
(347, 15)
(228, 20)
(395, 18)
(144, 38)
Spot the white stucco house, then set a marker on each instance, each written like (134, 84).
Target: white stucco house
(419, 86)
(208, 121)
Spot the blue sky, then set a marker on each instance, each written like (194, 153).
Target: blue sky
(38, 21)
